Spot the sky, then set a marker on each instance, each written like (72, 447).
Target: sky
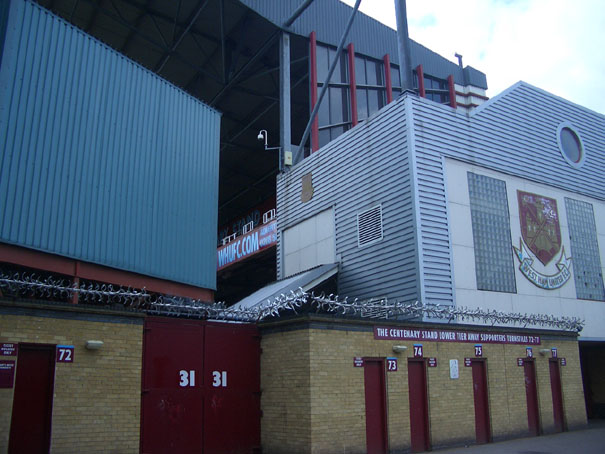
(556, 45)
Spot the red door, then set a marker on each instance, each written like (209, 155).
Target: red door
(201, 387)
(482, 425)
(172, 399)
(33, 399)
(232, 388)
(531, 393)
(376, 415)
(557, 395)
(419, 409)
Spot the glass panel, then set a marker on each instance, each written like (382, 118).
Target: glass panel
(395, 79)
(322, 63)
(490, 219)
(337, 131)
(324, 137)
(362, 104)
(340, 72)
(379, 73)
(374, 100)
(323, 114)
(587, 269)
(372, 72)
(360, 71)
(339, 104)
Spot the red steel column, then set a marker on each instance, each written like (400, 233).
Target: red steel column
(352, 83)
(387, 77)
(313, 87)
(450, 84)
(420, 76)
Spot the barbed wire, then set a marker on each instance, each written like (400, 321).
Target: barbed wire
(292, 302)
(50, 287)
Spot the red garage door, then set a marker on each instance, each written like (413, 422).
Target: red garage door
(201, 384)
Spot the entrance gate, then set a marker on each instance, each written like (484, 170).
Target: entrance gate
(482, 424)
(201, 387)
(419, 408)
(531, 394)
(376, 415)
(33, 399)
(557, 395)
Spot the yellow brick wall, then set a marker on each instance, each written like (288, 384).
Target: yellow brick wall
(285, 398)
(96, 405)
(334, 391)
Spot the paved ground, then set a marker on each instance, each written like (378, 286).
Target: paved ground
(587, 441)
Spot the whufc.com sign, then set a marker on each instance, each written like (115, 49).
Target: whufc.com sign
(247, 245)
(437, 335)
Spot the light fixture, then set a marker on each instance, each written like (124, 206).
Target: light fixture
(544, 351)
(399, 348)
(287, 155)
(94, 344)
(262, 135)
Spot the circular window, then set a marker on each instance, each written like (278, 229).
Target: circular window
(570, 144)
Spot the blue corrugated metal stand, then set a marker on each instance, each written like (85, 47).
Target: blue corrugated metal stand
(102, 160)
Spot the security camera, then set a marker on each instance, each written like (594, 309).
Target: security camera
(260, 136)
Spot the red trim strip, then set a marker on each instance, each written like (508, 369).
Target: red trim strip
(387, 77)
(420, 77)
(313, 88)
(352, 83)
(84, 270)
(450, 84)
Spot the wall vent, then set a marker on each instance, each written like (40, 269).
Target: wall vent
(369, 226)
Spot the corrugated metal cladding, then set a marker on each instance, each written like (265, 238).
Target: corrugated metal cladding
(396, 158)
(328, 18)
(101, 160)
(514, 133)
(365, 167)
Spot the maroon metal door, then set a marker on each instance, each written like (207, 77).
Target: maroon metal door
(376, 416)
(33, 399)
(557, 395)
(419, 409)
(201, 384)
(232, 388)
(531, 393)
(482, 425)
(172, 399)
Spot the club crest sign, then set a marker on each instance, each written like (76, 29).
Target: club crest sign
(541, 239)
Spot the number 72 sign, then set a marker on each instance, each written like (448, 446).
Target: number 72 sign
(65, 353)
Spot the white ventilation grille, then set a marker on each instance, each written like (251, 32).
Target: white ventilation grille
(369, 226)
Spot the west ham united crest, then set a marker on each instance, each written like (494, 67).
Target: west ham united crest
(541, 239)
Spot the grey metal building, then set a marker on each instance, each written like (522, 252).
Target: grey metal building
(501, 209)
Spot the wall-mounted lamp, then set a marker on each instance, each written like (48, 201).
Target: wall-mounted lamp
(399, 348)
(94, 344)
(544, 351)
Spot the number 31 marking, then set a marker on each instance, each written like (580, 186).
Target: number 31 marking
(219, 379)
(187, 378)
